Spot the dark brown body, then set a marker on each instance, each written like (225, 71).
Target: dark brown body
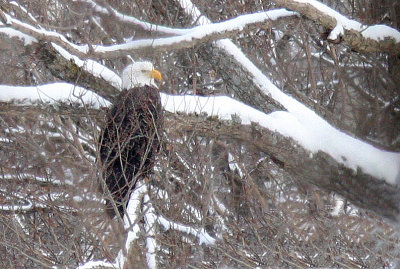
(129, 142)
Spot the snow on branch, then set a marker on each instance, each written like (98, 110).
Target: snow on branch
(201, 234)
(299, 122)
(22, 204)
(193, 36)
(97, 264)
(92, 67)
(151, 243)
(42, 34)
(311, 132)
(201, 33)
(318, 169)
(39, 179)
(131, 224)
(140, 206)
(87, 74)
(110, 11)
(51, 93)
(24, 11)
(360, 37)
(71, 52)
(10, 32)
(189, 38)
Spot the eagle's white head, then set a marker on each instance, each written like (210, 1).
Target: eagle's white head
(140, 74)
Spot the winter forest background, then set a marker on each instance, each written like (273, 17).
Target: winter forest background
(281, 142)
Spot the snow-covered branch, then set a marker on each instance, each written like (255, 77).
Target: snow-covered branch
(150, 228)
(131, 222)
(305, 122)
(92, 67)
(107, 10)
(41, 34)
(297, 139)
(186, 39)
(87, 74)
(310, 131)
(140, 206)
(20, 202)
(317, 168)
(191, 37)
(51, 93)
(364, 38)
(201, 234)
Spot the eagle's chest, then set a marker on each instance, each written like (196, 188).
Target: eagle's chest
(137, 106)
(135, 120)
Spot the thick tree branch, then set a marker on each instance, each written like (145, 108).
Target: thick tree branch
(238, 81)
(68, 71)
(190, 38)
(43, 35)
(318, 169)
(357, 39)
(240, 84)
(196, 35)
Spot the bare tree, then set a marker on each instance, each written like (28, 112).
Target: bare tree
(280, 144)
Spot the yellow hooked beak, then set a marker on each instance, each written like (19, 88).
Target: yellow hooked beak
(156, 75)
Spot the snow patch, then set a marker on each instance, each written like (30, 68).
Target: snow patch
(51, 93)
(27, 39)
(380, 32)
(376, 32)
(201, 234)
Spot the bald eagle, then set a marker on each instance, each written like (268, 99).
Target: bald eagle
(132, 134)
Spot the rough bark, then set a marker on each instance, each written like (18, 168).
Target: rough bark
(353, 38)
(239, 84)
(318, 169)
(68, 71)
